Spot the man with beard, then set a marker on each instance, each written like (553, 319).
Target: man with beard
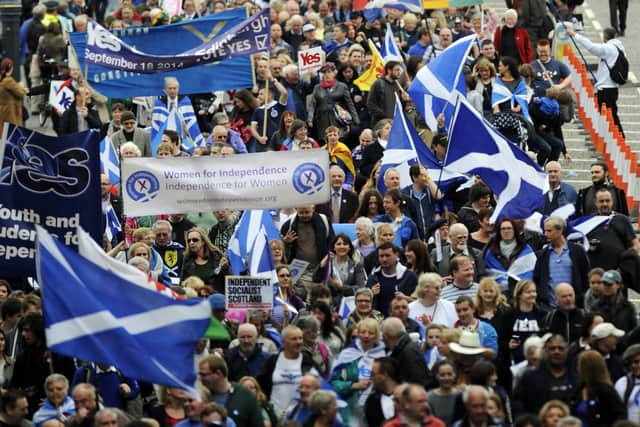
(586, 204)
(609, 239)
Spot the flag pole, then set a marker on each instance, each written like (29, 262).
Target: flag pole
(266, 100)
(556, 13)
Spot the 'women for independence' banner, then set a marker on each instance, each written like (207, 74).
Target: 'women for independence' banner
(247, 181)
(105, 49)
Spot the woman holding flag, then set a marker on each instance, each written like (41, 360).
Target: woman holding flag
(352, 369)
(508, 257)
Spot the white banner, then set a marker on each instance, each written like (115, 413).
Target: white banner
(242, 292)
(60, 95)
(245, 181)
(311, 59)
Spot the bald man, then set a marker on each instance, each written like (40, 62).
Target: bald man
(343, 204)
(560, 193)
(566, 319)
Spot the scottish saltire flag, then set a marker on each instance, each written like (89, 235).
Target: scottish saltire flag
(390, 50)
(405, 148)
(373, 9)
(109, 160)
(520, 269)
(519, 96)
(477, 148)
(244, 236)
(95, 315)
(183, 121)
(112, 226)
(347, 305)
(89, 249)
(156, 138)
(440, 82)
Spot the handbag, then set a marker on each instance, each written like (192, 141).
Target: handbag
(342, 116)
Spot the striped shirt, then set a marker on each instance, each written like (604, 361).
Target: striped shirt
(452, 292)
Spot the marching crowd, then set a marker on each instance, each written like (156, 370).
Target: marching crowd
(432, 315)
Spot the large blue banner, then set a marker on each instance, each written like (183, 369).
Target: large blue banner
(248, 37)
(50, 181)
(171, 39)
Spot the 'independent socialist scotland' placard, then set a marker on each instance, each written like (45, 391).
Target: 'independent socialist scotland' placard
(246, 293)
(245, 181)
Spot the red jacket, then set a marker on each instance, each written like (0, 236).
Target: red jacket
(429, 421)
(523, 44)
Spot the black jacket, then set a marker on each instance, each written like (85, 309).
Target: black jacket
(373, 411)
(567, 324)
(323, 231)
(618, 311)
(579, 273)
(535, 389)
(69, 121)
(604, 406)
(410, 361)
(585, 205)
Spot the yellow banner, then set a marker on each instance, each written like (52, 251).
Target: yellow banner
(435, 4)
(376, 69)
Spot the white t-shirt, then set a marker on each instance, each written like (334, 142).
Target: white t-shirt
(286, 378)
(442, 312)
(633, 405)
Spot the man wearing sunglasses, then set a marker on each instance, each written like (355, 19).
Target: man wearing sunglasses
(615, 308)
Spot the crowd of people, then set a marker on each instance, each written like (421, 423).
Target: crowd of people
(430, 315)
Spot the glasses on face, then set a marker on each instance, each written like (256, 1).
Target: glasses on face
(195, 240)
(222, 137)
(284, 275)
(607, 284)
(363, 301)
(129, 123)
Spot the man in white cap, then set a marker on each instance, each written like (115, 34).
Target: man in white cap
(604, 339)
(309, 33)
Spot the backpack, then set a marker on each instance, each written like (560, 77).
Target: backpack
(620, 71)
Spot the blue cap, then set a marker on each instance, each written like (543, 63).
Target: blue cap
(217, 302)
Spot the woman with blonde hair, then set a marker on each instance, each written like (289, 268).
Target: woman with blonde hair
(595, 401)
(429, 307)
(552, 411)
(205, 260)
(350, 376)
(524, 319)
(268, 414)
(490, 303)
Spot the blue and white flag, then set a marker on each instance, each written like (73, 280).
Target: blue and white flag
(95, 315)
(477, 148)
(347, 305)
(519, 96)
(440, 82)
(406, 148)
(520, 269)
(112, 226)
(390, 50)
(373, 9)
(183, 120)
(105, 49)
(109, 160)
(243, 239)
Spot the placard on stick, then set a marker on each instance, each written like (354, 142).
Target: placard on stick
(242, 292)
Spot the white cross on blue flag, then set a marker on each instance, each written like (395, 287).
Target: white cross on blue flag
(95, 315)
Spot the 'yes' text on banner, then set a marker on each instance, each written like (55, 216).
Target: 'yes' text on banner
(50, 181)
